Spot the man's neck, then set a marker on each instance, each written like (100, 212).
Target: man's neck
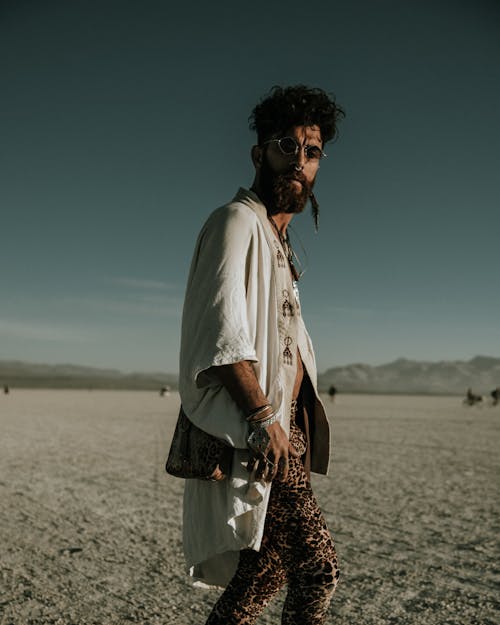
(282, 220)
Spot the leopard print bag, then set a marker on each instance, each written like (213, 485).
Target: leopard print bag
(196, 454)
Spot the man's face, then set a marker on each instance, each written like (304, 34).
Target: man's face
(286, 181)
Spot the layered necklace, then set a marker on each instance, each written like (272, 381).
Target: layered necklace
(289, 252)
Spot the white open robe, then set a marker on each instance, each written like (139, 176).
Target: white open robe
(232, 313)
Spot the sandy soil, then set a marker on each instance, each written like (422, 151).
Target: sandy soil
(90, 523)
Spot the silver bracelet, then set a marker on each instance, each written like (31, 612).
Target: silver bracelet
(272, 418)
(254, 413)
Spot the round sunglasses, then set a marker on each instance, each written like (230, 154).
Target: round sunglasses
(290, 147)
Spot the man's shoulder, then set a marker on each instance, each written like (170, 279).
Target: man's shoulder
(235, 213)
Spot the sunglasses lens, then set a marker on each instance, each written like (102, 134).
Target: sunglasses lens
(313, 152)
(288, 145)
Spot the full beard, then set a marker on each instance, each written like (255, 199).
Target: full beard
(280, 194)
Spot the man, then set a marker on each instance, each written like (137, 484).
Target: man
(248, 376)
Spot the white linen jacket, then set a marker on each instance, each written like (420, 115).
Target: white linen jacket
(239, 305)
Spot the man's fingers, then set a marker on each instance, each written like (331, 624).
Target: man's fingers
(271, 468)
(273, 463)
(265, 469)
(262, 467)
(283, 467)
(217, 475)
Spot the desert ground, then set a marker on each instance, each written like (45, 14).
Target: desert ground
(90, 527)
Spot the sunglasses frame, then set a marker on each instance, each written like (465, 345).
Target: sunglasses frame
(297, 148)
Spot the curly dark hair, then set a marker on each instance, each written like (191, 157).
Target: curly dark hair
(299, 105)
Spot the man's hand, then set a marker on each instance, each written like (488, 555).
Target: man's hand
(274, 462)
(240, 381)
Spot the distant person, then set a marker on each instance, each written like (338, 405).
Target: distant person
(248, 376)
(6, 389)
(165, 391)
(495, 395)
(332, 391)
(471, 399)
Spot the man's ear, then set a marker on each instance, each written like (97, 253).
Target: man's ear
(257, 156)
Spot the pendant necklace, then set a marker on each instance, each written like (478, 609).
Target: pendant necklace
(288, 249)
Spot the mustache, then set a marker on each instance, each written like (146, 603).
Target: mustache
(296, 175)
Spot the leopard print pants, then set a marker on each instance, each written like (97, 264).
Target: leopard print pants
(297, 550)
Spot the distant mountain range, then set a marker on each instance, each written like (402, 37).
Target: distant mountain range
(481, 374)
(19, 374)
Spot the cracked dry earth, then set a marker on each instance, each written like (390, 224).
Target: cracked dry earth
(90, 523)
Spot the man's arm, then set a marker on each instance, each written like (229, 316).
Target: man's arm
(241, 383)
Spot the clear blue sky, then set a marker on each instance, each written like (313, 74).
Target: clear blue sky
(123, 124)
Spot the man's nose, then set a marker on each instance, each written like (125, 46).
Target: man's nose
(300, 158)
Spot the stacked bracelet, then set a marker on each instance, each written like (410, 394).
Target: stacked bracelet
(260, 413)
(264, 423)
(260, 419)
